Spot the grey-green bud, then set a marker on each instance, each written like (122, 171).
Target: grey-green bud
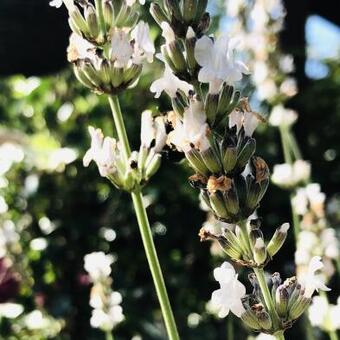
(278, 239)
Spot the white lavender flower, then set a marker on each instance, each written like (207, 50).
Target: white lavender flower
(170, 84)
(313, 281)
(218, 62)
(228, 297)
(191, 131)
(98, 265)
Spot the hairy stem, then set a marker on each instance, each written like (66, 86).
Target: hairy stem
(145, 230)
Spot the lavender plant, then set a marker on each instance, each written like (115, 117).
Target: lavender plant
(210, 123)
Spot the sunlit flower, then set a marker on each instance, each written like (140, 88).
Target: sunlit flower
(170, 84)
(98, 265)
(289, 175)
(249, 121)
(153, 131)
(228, 297)
(80, 48)
(121, 49)
(101, 151)
(313, 281)
(10, 310)
(218, 62)
(192, 131)
(282, 116)
(143, 45)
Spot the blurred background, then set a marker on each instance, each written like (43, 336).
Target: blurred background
(54, 211)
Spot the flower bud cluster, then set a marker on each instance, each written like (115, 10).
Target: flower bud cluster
(289, 299)
(127, 174)
(255, 253)
(107, 312)
(107, 46)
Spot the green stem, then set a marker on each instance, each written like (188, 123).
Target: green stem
(109, 336)
(285, 145)
(333, 335)
(294, 145)
(296, 219)
(145, 230)
(267, 297)
(230, 330)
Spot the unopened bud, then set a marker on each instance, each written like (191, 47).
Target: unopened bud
(250, 319)
(196, 162)
(157, 13)
(153, 166)
(278, 239)
(201, 8)
(246, 152)
(281, 299)
(189, 10)
(299, 307)
(232, 201)
(131, 74)
(232, 251)
(229, 158)
(173, 7)
(176, 55)
(260, 253)
(211, 160)
(276, 281)
(264, 320)
(108, 12)
(218, 204)
(204, 23)
(210, 107)
(92, 21)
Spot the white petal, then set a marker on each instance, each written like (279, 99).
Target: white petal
(203, 51)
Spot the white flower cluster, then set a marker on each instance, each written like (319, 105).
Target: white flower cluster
(231, 292)
(315, 238)
(107, 312)
(290, 175)
(324, 315)
(107, 153)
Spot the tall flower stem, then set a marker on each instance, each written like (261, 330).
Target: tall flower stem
(259, 272)
(144, 227)
(108, 336)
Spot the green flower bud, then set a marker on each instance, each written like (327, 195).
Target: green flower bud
(229, 158)
(91, 73)
(201, 7)
(196, 162)
(142, 156)
(172, 6)
(210, 107)
(260, 252)
(132, 74)
(116, 76)
(232, 202)
(232, 251)
(153, 166)
(299, 307)
(218, 204)
(211, 160)
(81, 76)
(92, 22)
(246, 152)
(158, 14)
(189, 10)
(108, 12)
(231, 237)
(250, 319)
(281, 299)
(264, 320)
(177, 106)
(190, 42)
(278, 239)
(176, 55)
(78, 20)
(276, 281)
